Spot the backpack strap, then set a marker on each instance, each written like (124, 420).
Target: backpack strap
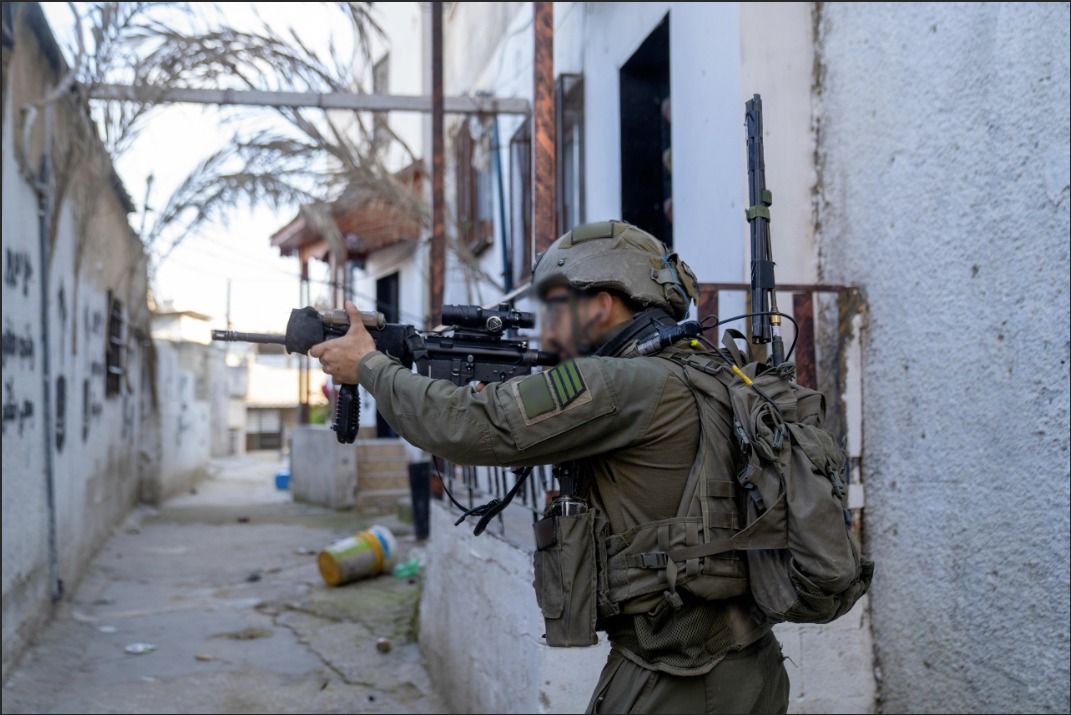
(769, 531)
(728, 339)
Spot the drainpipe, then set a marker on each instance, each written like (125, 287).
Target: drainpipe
(544, 139)
(437, 258)
(43, 188)
(507, 255)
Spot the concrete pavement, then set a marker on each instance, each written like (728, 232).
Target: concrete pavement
(223, 583)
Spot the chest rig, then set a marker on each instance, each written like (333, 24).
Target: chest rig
(585, 574)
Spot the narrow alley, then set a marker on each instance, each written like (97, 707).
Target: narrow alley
(222, 587)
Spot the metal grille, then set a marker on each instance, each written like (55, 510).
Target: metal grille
(473, 486)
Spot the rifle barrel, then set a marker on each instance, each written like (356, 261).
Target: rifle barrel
(235, 336)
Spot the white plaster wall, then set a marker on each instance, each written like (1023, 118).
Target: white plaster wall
(278, 385)
(185, 425)
(481, 629)
(777, 62)
(401, 26)
(25, 510)
(944, 151)
(94, 438)
(707, 130)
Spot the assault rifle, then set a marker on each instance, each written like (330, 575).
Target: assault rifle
(475, 349)
(765, 319)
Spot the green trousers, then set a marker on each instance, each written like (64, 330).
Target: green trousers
(752, 680)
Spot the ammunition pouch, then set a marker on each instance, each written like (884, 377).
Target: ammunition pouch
(566, 577)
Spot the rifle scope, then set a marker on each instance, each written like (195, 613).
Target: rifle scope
(491, 319)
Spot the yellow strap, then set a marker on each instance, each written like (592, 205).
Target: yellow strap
(742, 376)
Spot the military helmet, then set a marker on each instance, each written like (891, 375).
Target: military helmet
(614, 255)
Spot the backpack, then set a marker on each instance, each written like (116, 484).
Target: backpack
(804, 562)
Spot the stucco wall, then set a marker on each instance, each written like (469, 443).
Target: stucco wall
(93, 437)
(191, 384)
(944, 145)
(481, 629)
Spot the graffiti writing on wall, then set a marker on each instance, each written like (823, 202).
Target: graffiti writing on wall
(183, 424)
(18, 269)
(61, 412)
(91, 409)
(95, 323)
(128, 418)
(61, 306)
(13, 412)
(16, 346)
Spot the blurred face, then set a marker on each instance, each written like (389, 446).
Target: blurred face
(570, 320)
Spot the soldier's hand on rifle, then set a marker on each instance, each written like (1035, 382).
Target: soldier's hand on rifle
(341, 356)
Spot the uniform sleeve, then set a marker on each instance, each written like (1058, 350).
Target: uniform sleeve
(580, 408)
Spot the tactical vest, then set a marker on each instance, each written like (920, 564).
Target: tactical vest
(585, 574)
(778, 529)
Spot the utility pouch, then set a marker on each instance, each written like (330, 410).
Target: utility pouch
(565, 578)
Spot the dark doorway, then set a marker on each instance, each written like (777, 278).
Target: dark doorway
(646, 178)
(387, 304)
(387, 297)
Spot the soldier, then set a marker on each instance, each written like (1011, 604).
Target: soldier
(630, 426)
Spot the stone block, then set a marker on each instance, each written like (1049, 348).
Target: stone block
(323, 471)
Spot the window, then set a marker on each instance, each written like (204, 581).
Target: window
(520, 191)
(646, 178)
(475, 202)
(114, 349)
(570, 105)
(263, 429)
(380, 85)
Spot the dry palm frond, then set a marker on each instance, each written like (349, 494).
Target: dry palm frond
(311, 162)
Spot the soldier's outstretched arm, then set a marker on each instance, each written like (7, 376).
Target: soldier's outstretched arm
(577, 409)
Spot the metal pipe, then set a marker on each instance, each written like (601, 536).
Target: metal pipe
(304, 298)
(339, 100)
(44, 212)
(507, 253)
(544, 219)
(438, 230)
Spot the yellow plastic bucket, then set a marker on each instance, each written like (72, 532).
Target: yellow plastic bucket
(368, 553)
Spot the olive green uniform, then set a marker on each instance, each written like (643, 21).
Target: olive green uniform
(633, 426)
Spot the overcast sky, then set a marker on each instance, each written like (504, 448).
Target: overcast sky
(264, 286)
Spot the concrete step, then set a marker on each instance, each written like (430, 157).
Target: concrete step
(382, 480)
(380, 500)
(370, 465)
(380, 448)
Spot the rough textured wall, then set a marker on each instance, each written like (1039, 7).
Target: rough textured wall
(93, 433)
(943, 163)
(191, 382)
(481, 629)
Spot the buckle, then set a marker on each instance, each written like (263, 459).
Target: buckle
(653, 560)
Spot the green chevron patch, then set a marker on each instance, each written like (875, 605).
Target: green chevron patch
(567, 382)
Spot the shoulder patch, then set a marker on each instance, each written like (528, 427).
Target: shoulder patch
(567, 382)
(551, 392)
